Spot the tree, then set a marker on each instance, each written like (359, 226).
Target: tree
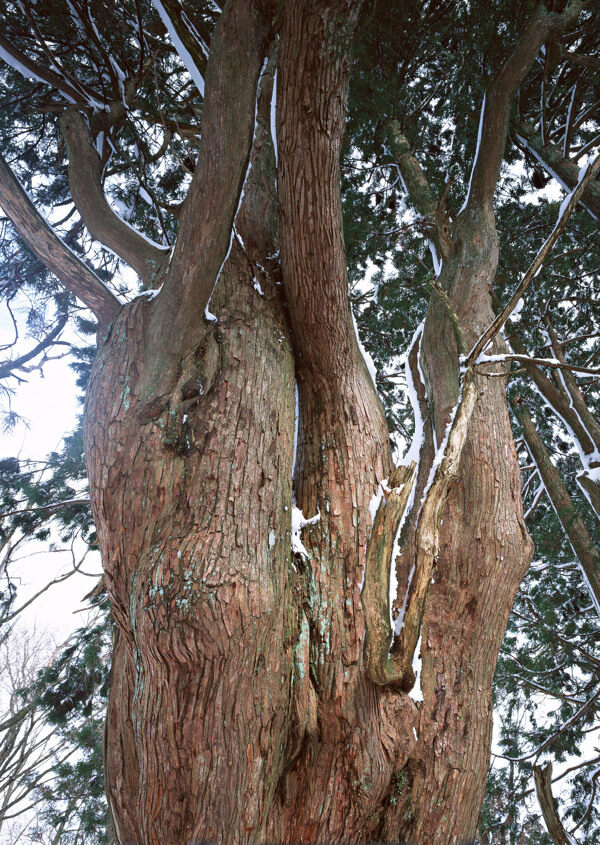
(258, 691)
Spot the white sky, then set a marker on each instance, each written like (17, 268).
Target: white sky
(48, 403)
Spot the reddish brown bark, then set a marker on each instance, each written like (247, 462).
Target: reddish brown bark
(241, 709)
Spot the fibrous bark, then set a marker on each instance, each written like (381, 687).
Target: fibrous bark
(244, 706)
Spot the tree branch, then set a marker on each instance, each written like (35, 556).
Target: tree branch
(558, 494)
(237, 49)
(565, 171)
(85, 178)
(191, 45)
(557, 399)
(542, 776)
(416, 185)
(43, 242)
(30, 69)
(566, 210)
(498, 99)
(7, 367)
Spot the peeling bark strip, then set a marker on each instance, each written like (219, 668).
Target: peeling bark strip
(375, 595)
(45, 243)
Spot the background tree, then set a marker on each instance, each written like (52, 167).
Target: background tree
(225, 639)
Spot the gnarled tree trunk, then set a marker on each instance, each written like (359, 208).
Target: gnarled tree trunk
(242, 707)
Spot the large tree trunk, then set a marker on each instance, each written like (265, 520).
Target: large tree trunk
(241, 710)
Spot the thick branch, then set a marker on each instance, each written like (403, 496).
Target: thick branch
(498, 100)
(85, 179)
(564, 170)
(416, 185)
(543, 786)
(43, 241)
(237, 50)
(559, 496)
(312, 87)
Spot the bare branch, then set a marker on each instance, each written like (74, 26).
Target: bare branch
(538, 261)
(558, 494)
(553, 363)
(443, 475)
(43, 241)
(46, 508)
(7, 367)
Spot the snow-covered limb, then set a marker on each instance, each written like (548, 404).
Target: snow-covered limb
(566, 210)
(549, 740)
(558, 495)
(542, 362)
(184, 54)
(536, 500)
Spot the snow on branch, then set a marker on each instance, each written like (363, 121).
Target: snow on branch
(184, 53)
(41, 238)
(397, 669)
(569, 204)
(576, 716)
